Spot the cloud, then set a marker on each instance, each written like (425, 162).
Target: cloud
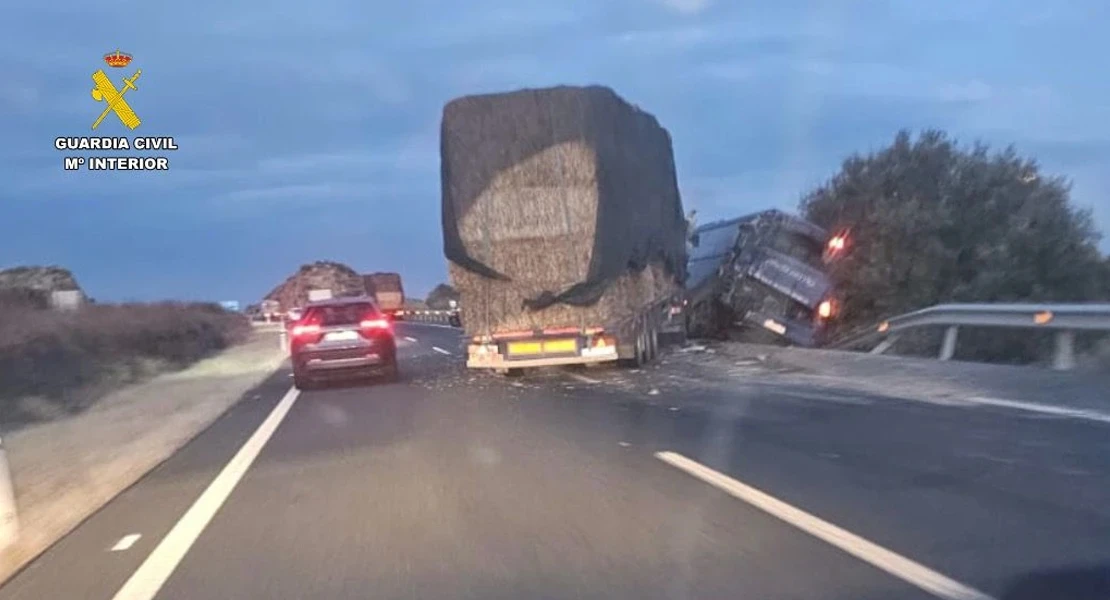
(322, 114)
(687, 7)
(972, 91)
(680, 37)
(16, 97)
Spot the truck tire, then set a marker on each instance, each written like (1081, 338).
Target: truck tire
(653, 343)
(639, 352)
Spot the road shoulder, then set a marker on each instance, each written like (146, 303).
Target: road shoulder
(66, 470)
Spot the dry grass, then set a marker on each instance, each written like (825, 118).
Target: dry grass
(552, 188)
(55, 363)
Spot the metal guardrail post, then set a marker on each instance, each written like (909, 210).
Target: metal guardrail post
(948, 347)
(9, 519)
(1063, 358)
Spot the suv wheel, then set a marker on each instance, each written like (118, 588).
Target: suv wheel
(302, 383)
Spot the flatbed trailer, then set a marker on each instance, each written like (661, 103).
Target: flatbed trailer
(632, 342)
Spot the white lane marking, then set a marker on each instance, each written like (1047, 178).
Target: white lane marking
(420, 324)
(583, 378)
(1044, 409)
(145, 582)
(867, 551)
(126, 542)
(410, 339)
(440, 350)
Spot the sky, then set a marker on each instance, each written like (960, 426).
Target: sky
(309, 131)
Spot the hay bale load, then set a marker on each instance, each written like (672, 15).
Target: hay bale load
(343, 281)
(560, 208)
(387, 289)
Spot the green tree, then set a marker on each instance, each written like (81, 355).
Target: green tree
(440, 297)
(934, 222)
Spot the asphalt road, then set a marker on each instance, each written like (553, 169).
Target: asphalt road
(451, 484)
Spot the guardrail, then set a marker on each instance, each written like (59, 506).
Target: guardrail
(442, 317)
(1064, 319)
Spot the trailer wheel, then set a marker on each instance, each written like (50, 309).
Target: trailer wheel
(639, 352)
(653, 343)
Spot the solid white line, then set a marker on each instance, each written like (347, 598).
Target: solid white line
(126, 542)
(583, 378)
(867, 551)
(157, 568)
(1044, 409)
(410, 339)
(440, 350)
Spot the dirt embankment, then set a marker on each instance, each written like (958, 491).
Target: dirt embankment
(54, 363)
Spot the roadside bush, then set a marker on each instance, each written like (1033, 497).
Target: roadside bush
(60, 356)
(933, 221)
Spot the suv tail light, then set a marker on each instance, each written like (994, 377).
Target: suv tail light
(374, 324)
(305, 329)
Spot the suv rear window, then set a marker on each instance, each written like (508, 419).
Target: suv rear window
(340, 314)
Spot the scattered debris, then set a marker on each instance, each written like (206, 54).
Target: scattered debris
(653, 392)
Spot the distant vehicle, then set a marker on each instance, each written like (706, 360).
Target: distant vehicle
(388, 292)
(318, 295)
(270, 310)
(764, 276)
(342, 338)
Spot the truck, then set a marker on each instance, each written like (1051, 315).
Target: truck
(386, 288)
(563, 227)
(319, 294)
(270, 310)
(762, 276)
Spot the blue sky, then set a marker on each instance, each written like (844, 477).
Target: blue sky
(310, 130)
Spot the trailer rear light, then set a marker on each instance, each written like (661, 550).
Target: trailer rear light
(508, 335)
(602, 342)
(561, 330)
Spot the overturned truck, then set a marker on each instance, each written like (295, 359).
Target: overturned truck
(562, 226)
(760, 277)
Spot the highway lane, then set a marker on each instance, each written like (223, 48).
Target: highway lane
(452, 485)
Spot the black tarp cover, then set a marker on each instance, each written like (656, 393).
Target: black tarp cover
(640, 219)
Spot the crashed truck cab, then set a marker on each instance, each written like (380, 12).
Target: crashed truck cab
(763, 272)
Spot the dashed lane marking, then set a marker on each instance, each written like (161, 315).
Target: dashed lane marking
(145, 582)
(126, 542)
(895, 564)
(410, 339)
(440, 350)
